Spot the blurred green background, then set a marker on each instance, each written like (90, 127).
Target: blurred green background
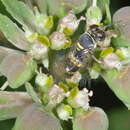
(119, 116)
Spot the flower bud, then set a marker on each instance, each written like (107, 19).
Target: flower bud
(39, 51)
(112, 61)
(70, 23)
(123, 53)
(94, 14)
(44, 82)
(59, 41)
(74, 80)
(80, 98)
(94, 74)
(56, 94)
(94, 119)
(31, 37)
(43, 22)
(64, 112)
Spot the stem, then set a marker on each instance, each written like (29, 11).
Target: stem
(4, 86)
(94, 3)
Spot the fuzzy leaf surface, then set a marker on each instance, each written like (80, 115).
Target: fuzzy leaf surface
(18, 68)
(14, 34)
(120, 84)
(34, 118)
(20, 12)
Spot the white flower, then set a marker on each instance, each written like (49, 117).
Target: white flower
(58, 40)
(112, 61)
(56, 94)
(41, 80)
(70, 21)
(81, 99)
(125, 52)
(39, 51)
(64, 112)
(75, 78)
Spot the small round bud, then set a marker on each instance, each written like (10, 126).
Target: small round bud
(56, 95)
(43, 22)
(59, 41)
(31, 37)
(80, 98)
(44, 82)
(93, 15)
(64, 112)
(94, 74)
(123, 53)
(70, 23)
(74, 80)
(39, 51)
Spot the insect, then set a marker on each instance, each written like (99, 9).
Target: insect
(86, 45)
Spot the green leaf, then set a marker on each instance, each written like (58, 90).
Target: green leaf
(56, 8)
(13, 103)
(61, 7)
(119, 82)
(121, 22)
(20, 12)
(74, 5)
(34, 118)
(29, 3)
(4, 52)
(32, 93)
(15, 35)
(18, 68)
(93, 119)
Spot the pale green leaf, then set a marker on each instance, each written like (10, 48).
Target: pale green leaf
(74, 5)
(61, 7)
(122, 26)
(18, 68)
(4, 52)
(34, 118)
(20, 12)
(15, 35)
(93, 119)
(13, 103)
(119, 82)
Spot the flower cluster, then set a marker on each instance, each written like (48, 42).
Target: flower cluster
(47, 46)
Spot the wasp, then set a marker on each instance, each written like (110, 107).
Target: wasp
(85, 46)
